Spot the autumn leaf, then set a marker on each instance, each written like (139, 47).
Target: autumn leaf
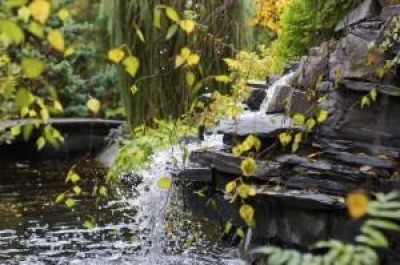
(93, 105)
(116, 55)
(322, 116)
(285, 138)
(357, 204)
(56, 40)
(40, 10)
(248, 167)
(247, 214)
(230, 187)
(32, 68)
(164, 183)
(187, 25)
(131, 64)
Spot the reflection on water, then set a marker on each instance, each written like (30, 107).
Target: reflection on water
(139, 225)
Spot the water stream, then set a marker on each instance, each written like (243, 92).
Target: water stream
(141, 224)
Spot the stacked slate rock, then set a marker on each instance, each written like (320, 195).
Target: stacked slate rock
(300, 197)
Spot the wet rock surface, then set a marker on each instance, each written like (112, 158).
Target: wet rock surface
(300, 195)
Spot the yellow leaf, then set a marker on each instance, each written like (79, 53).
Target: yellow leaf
(322, 116)
(93, 105)
(252, 191)
(40, 10)
(24, 14)
(230, 187)
(298, 119)
(179, 61)
(63, 14)
(12, 31)
(248, 167)
(243, 191)
(253, 141)
(187, 25)
(134, 89)
(70, 203)
(222, 78)
(285, 138)
(116, 55)
(57, 106)
(32, 68)
(193, 59)
(310, 124)
(69, 52)
(247, 214)
(77, 190)
(131, 64)
(164, 183)
(56, 40)
(357, 204)
(233, 111)
(172, 14)
(185, 53)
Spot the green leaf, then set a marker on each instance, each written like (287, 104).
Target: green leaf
(32, 68)
(240, 232)
(73, 177)
(131, 64)
(15, 3)
(16, 130)
(228, 227)
(40, 143)
(12, 31)
(243, 191)
(139, 33)
(157, 18)
(36, 29)
(164, 183)
(377, 238)
(298, 119)
(222, 78)
(70, 203)
(373, 94)
(89, 224)
(310, 123)
(77, 190)
(172, 14)
(103, 191)
(365, 101)
(27, 131)
(383, 224)
(134, 89)
(190, 78)
(60, 197)
(24, 98)
(230, 186)
(171, 31)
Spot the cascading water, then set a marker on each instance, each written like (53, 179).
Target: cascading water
(143, 225)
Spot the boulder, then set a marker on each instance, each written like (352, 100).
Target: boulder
(367, 9)
(312, 67)
(300, 103)
(255, 99)
(350, 60)
(278, 98)
(256, 123)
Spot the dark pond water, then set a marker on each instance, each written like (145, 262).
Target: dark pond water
(138, 225)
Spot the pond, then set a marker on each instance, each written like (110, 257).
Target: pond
(139, 224)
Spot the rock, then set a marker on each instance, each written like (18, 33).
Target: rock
(256, 123)
(255, 99)
(228, 163)
(377, 124)
(312, 67)
(385, 3)
(304, 162)
(325, 86)
(261, 84)
(278, 96)
(369, 30)
(350, 60)
(322, 185)
(299, 103)
(367, 9)
(361, 159)
(195, 174)
(389, 11)
(367, 87)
